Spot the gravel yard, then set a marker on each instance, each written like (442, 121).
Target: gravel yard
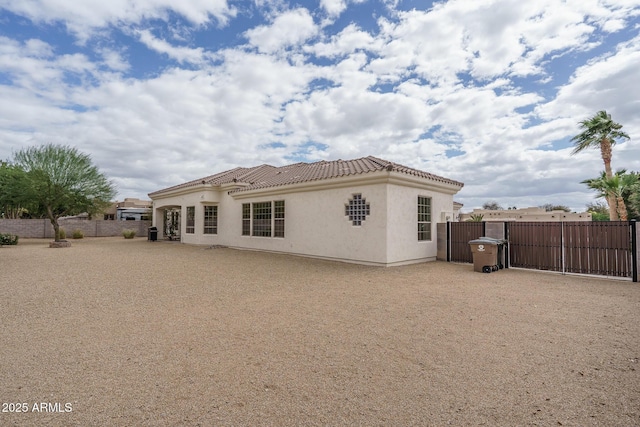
(115, 332)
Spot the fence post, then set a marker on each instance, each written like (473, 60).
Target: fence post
(634, 250)
(506, 247)
(562, 254)
(448, 241)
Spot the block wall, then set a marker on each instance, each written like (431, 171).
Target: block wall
(42, 228)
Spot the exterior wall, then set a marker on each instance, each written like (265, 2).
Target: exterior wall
(27, 228)
(198, 199)
(402, 227)
(42, 228)
(441, 236)
(316, 224)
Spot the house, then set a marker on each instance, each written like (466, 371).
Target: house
(367, 210)
(526, 214)
(130, 209)
(457, 206)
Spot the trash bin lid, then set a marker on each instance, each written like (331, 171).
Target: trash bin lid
(488, 241)
(153, 228)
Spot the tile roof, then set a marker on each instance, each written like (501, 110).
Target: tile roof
(266, 176)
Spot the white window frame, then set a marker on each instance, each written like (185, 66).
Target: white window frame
(210, 229)
(276, 218)
(425, 219)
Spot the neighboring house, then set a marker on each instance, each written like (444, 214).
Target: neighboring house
(133, 214)
(526, 214)
(456, 212)
(130, 209)
(366, 210)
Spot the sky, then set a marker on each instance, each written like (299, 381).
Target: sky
(486, 92)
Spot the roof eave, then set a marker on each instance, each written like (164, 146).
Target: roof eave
(368, 178)
(443, 186)
(182, 191)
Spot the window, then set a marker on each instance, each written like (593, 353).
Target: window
(357, 209)
(264, 219)
(210, 220)
(246, 219)
(424, 218)
(191, 219)
(278, 218)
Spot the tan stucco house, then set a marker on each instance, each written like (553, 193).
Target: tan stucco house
(367, 210)
(531, 214)
(129, 209)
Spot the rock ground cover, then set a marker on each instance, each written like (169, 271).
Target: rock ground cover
(129, 332)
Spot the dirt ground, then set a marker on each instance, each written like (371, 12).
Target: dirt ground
(115, 332)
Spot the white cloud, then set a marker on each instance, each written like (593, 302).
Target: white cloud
(32, 65)
(180, 54)
(114, 60)
(347, 41)
(180, 122)
(610, 82)
(489, 39)
(289, 29)
(22, 113)
(421, 85)
(333, 7)
(352, 120)
(84, 17)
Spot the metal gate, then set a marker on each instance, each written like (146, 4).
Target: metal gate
(460, 233)
(536, 245)
(601, 248)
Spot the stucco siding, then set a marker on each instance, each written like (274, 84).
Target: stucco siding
(402, 231)
(316, 221)
(316, 224)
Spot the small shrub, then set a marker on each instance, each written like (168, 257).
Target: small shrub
(129, 234)
(77, 234)
(8, 239)
(63, 234)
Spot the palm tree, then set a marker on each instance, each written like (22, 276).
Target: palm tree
(475, 218)
(600, 131)
(615, 189)
(616, 186)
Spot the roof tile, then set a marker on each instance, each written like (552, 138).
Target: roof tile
(265, 176)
